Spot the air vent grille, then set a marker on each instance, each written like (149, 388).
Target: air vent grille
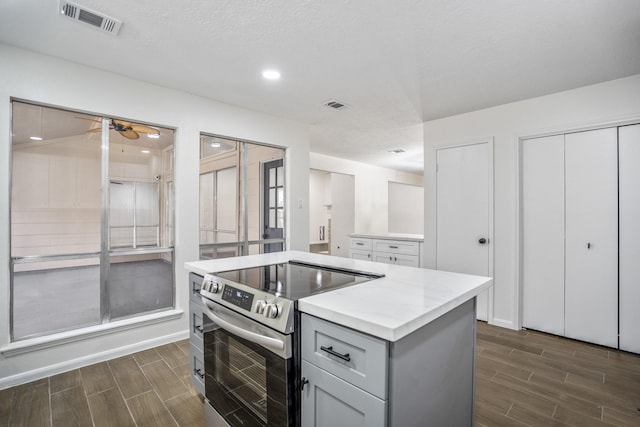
(96, 19)
(336, 105)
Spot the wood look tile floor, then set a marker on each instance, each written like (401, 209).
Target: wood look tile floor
(527, 378)
(149, 388)
(523, 378)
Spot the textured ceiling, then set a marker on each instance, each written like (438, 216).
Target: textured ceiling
(395, 63)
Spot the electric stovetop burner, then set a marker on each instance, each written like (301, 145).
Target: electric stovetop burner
(296, 279)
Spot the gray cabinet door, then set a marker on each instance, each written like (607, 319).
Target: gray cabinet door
(328, 401)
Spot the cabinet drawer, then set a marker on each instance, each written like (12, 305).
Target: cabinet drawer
(396, 246)
(364, 358)
(328, 401)
(195, 324)
(195, 283)
(358, 243)
(360, 254)
(196, 366)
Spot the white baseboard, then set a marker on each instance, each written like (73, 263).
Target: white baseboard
(503, 323)
(69, 365)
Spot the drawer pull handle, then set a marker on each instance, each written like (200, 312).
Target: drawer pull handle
(359, 243)
(332, 352)
(199, 373)
(393, 247)
(199, 329)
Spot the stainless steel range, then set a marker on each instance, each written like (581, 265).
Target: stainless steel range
(252, 343)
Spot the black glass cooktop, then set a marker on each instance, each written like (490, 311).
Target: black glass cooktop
(296, 279)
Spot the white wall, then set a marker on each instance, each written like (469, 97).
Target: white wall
(371, 189)
(609, 102)
(39, 78)
(406, 208)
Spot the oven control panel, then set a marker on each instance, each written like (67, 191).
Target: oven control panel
(237, 297)
(263, 307)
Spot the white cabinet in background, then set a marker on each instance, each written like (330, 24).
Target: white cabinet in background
(389, 251)
(360, 248)
(629, 170)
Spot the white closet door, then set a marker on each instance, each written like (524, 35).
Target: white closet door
(629, 164)
(591, 274)
(543, 234)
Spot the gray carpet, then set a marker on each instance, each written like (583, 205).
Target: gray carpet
(49, 301)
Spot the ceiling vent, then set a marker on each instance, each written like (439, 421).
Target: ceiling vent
(96, 19)
(336, 105)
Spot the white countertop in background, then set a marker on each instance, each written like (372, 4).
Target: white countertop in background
(390, 308)
(390, 236)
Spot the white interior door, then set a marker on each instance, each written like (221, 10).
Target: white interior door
(591, 227)
(463, 186)
(629, 172)
(342, 212)
(543, 234)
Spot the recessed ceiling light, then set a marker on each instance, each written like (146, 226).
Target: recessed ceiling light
(145, 151)
(215, 144)
(271, 74)
(153, 135)
(36, 138)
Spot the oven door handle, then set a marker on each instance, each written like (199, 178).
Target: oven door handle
(256, 338)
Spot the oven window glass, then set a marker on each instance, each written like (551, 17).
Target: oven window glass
(247, 384)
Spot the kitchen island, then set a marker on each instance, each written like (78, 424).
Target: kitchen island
(401, 347)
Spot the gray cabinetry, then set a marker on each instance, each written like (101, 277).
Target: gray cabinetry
(196, 327)
(345, 374)
(329, 401)
(424, 377)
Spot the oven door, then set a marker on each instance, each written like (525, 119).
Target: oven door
(249, 370)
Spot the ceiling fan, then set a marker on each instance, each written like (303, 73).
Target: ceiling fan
(127, 129)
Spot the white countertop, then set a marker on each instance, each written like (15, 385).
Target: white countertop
(390, 236)
(390, 308)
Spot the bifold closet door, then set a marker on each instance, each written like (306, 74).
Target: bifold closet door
(543, 234)
(591, 227)
(629, 170)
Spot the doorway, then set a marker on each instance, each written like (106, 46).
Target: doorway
(464, 214)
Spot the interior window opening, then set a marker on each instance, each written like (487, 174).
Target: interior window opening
(91, 219)
(242, 197)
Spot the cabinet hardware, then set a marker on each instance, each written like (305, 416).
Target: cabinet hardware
(332, 352)
(588, 245)
(303, 383)
(199, 329)
(199, 373)
(482, 241)
(359, 243)
(393, 247)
